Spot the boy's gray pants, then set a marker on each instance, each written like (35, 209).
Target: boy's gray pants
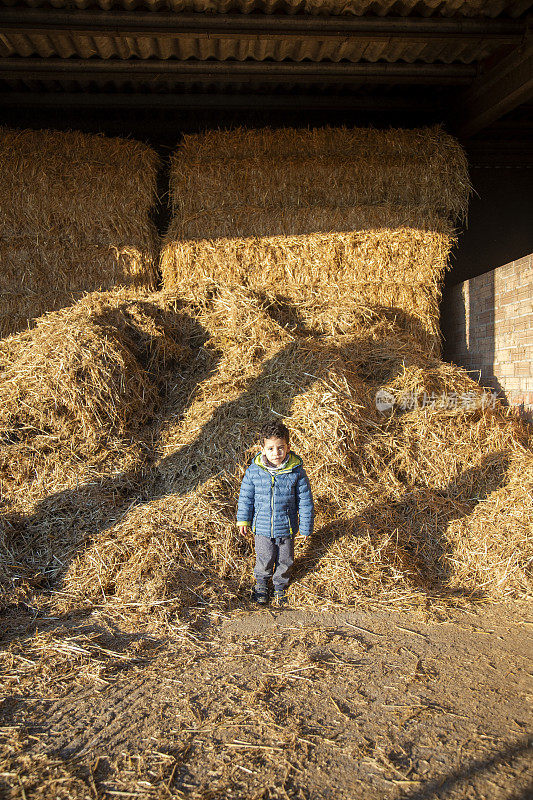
(273, 558)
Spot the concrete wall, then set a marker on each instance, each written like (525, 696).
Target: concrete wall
(487, 323)
(500, 214)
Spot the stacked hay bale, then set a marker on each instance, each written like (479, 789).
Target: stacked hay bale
(360, 216)
(74, 217)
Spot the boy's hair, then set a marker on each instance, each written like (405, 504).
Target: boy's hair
(275, 429)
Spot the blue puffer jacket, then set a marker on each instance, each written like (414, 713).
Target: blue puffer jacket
(276, 505)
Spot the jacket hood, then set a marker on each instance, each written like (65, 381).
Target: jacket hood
(294, 461)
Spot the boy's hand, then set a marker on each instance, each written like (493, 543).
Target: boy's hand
(243, 530)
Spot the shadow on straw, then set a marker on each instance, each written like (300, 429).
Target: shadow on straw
(415, 526)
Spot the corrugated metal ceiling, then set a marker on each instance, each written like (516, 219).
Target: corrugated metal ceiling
(69, 42)
(141, 48)
(424, 8)
(75, 44)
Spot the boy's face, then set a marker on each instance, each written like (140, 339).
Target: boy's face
(275, 450)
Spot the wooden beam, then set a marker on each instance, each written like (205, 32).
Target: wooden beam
(208, 100)
(502, 89)
(162, 71)
(175, 25)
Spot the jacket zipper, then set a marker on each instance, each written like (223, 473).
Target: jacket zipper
(272, 508)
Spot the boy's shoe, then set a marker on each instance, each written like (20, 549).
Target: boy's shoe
(280, 597)
(260, 595)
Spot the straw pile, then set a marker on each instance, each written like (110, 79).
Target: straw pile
(78, 398)
(74, 217)
(392, 490)
(362, 215)
(410, 501)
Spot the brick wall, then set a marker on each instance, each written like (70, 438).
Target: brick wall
(488, 327)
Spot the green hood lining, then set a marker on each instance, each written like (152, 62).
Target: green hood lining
(294, 461)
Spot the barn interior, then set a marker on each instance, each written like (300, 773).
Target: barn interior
(134, 379)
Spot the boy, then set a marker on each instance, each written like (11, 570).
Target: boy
(275, 501)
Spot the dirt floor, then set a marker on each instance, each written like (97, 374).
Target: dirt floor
(267, 704)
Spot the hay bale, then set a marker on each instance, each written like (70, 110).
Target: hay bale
(244, 251)
(358, 214)
(74, 217)
(290, 167)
